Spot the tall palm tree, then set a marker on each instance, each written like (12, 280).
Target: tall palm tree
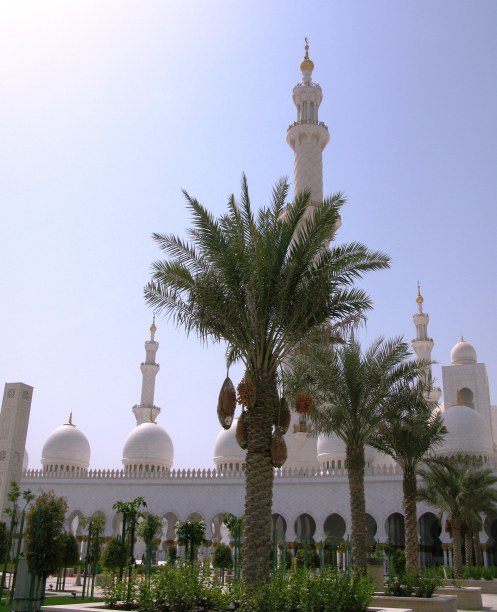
(351, 389)
(260, 283)
(410, 428)
(454, 485)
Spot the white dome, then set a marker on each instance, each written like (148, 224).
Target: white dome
(330, 448)
(148, 447)
(227, 452)
(66, 449)
(463, 353)
(467, 433)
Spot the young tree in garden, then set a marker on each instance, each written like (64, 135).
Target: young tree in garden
(70, 555)
(410, 428)
(148, 530)
(12, 512)
(130, 512)
(190, 534)
(95, 525)
(112, 554)
(44, 535)
(222, 558)
(4, 539)
(235, 526)
(350, 390)
(261, 283)
(28, 497)
(453, 485)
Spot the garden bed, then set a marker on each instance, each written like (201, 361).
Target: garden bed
(468, 598)
(437, 603)
(488, 587)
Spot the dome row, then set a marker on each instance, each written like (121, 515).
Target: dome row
(149, 447)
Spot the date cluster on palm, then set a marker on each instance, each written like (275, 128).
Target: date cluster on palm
(246, 392)
(226, 404)
(283, 415)
(303, 403)
(241, 431)
(279, 451)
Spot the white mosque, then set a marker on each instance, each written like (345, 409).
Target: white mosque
(311, 497)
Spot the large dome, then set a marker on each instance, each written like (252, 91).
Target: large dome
(463, 353)
(66, 450)
(331, 453)
(148, 448)
(331, 448)
(227, 453)
(467, 433)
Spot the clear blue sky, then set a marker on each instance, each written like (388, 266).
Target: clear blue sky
(110, 108)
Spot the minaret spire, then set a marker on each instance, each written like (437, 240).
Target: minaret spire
(423, 345)
(308, 136)
(145, 410)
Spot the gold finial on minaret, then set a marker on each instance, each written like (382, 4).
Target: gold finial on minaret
(306, 63)
(151, 416)
(153, 329)
(458, 399)
(419, 299)
(69, 422)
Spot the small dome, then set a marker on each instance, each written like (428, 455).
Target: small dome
(148, 447)
(227, 452)
(463, 353)
(66, 449)
(330, 448)
(467, 433)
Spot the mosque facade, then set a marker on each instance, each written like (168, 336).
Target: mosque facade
(311, 495)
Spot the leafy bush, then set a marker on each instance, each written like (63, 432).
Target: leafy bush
(222, 557)
(305, 591)
(180, 588)
(396, 560)
(111, 557)
(313, 560)
(412, 585)
(489, 573)
(172, 554)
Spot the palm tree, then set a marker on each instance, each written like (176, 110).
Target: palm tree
(410, 428)
(260, 283)
(455, 486)
(350, 391)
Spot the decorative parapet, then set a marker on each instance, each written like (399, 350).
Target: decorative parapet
(310, 84)
(205, 474)
(307, 122)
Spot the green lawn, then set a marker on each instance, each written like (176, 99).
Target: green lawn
(55, 600)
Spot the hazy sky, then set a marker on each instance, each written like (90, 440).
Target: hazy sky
(109, 108)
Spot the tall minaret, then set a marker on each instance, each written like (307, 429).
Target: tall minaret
(308, 136)
(423, 346)
(145, 410)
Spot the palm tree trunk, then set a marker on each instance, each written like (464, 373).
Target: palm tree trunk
(456, 547)
(411, 521)
(355, 470)
(477, 545)
(468, 544)
(259, 480)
